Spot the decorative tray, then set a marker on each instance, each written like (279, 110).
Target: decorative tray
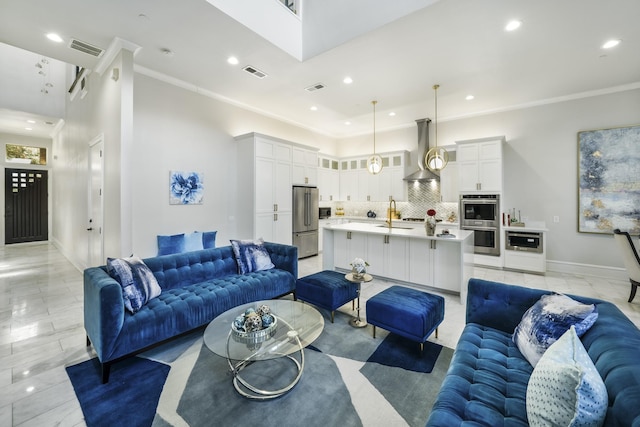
(247, 329)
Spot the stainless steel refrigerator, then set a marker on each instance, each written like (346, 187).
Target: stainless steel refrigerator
(305, 220)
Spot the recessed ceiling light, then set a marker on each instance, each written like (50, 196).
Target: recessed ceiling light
(611, 43)
(31, 121)
(314, 108)
(347, 123)
(469, 97)
(232, 60)
(392, 114)
(513, 25)
(347, 80)
(28, 129)
(54, 37)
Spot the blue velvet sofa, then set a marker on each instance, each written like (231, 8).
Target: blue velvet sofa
(196, 287)
(487, 380)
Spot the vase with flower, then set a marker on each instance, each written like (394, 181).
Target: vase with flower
(430, 222)
(359, 268)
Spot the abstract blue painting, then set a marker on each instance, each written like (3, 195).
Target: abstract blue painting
(185, 188)
(609, 180)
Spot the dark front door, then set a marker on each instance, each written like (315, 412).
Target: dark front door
(26, 214)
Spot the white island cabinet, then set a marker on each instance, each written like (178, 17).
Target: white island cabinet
(405, 255)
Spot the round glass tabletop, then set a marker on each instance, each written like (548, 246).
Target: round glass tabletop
(294, 319)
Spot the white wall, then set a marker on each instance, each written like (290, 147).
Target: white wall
(106, 110)
(176, 129)
(540, 164)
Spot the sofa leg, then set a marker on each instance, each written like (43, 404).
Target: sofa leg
(374, 331)
(106, 370)
(295, 297)
(421, 348)
(332, 313)
(634, 288)
(88, 341)
(436, 333)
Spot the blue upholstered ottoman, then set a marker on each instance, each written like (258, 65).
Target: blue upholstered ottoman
(407, 312)
(326, 289)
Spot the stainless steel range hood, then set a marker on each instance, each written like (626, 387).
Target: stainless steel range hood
(423, 173)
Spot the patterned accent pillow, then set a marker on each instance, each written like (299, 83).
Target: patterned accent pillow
(565, 389)
(139, 285)
(251, 255)
(547, 320)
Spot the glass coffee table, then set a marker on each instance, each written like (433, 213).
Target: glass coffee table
(297, 325)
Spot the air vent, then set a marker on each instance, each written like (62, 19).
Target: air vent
(86, 48)
(255, 72)
(314, 87)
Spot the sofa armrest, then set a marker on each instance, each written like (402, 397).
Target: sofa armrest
(284, 257)
(498, 305)
(103, 310)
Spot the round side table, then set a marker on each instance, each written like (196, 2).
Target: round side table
(357, 322)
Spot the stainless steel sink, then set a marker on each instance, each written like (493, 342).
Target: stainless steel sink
(395, 226)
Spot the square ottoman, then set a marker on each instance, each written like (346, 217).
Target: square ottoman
(407, 312)
(326, 289)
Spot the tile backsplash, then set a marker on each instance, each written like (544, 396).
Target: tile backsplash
(421, 197)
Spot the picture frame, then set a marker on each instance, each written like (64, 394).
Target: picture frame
(186, 188)
(609, 180)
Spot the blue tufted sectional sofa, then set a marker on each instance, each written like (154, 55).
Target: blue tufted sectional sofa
(196, 287)
(487, 380)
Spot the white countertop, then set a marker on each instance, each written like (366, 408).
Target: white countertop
(531, 226)
(416, 232)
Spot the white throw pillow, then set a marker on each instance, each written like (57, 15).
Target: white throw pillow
(565, 389)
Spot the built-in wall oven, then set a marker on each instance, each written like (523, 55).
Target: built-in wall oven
(480, 214)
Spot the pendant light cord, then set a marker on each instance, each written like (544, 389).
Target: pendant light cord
(374, 126)
(435, 88)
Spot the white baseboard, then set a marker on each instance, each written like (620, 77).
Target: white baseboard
(68, 255)
(587, 270)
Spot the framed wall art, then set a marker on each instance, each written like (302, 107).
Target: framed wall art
(185, 188)
(609, 180)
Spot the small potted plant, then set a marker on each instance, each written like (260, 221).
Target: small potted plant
(430, 222)
(359, 268)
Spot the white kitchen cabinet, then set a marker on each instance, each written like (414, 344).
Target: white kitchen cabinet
(449, 191)
(358, 185)
(349, 180)
(348, 245)
(328, 179)
(265, 210)
(304, 166)
(387, 256)
(426, 261)
(480, 165)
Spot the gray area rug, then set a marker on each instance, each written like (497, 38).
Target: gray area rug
(338, 386)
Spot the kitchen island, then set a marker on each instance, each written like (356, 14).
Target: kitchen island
(402, 254)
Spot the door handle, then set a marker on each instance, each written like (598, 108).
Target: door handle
(90, 228)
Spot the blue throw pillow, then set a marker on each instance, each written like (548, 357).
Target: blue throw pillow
(547, 320)
(139, 285)
(168, 245)
(209, 239)
(565, 389)
(186, 242)
(251, 255)
(193, 242)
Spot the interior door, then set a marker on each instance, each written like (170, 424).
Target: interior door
(95, 221)
(26, 211)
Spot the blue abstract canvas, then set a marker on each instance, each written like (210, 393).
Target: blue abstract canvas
(609, 180)
(186, 188)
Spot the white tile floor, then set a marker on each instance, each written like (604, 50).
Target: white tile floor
(41, 328)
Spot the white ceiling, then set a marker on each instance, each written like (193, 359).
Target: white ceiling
(459, 44)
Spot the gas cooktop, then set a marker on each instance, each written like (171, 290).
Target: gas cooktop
(413, 219)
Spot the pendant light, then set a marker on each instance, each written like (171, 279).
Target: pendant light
(374, 163)
(437, 157)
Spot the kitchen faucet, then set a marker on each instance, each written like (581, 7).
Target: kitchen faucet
(391, 211)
